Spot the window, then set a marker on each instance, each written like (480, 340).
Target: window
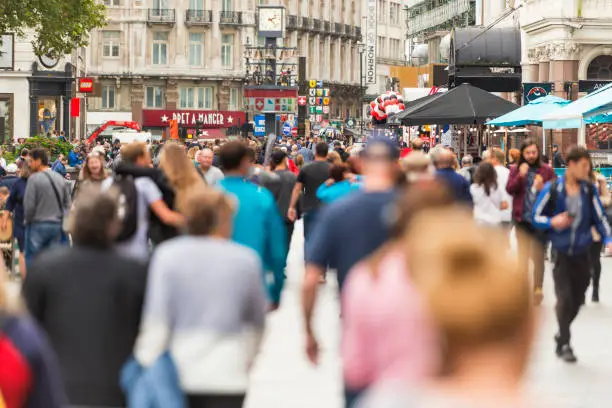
(394, 49)
(234, 98)
(6, 118)
(196, 49)
(154, 97)
(112, 3)
(196, 4)
(196, 98)
(394, 13)
(227, 46)
(381, 52)
(110, 47)
(108, 97)
(160, 48)
(160, 4)
(381, 11)
(226, 5)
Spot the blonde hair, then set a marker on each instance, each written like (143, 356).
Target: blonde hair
(334, 158)
(477, 292)
(180, 172)
(86, 174)
(207, 210)
(191, 153)
(131, 152)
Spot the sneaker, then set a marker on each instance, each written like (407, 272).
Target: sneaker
(567, 354)
(538, 296)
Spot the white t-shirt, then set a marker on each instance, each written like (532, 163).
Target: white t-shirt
(486, 207)
(502, 181)
(138, 246)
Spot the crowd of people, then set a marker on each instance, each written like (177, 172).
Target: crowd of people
(147, 281)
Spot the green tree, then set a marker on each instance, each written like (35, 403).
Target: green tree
(60, 26)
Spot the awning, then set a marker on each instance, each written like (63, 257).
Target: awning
(591, 108)
(532, 113)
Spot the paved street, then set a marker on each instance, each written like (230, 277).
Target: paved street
(284, 379)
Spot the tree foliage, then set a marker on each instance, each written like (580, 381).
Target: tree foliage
(60, 26)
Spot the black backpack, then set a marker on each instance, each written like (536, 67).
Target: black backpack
(127, 206)
(549, 210)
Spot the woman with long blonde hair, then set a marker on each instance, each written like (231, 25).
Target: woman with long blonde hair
(180, 172)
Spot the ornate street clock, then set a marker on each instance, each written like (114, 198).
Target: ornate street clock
(48, 60)
(271, 21)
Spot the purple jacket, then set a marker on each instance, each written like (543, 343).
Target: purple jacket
(517, 188)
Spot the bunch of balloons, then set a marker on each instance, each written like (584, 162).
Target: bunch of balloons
(386, 104)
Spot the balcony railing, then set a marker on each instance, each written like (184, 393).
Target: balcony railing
(327, 26)
(161, 16)
(347, 30)
(436, 16)
(230, 17)
(198, 17)
(292, 23)
(316, 24)
(306, 23)
(357, 33)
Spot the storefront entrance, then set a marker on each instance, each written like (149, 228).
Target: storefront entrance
(50, 94)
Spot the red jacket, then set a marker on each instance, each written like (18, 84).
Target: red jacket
(517, 187)
(292, 167)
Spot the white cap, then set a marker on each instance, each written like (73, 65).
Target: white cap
(12, 168)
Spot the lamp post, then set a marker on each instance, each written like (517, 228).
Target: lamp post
(361, 48)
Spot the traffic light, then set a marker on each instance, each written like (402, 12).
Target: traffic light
(173, 129)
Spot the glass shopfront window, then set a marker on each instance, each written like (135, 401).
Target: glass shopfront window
(47, 116)
(6, 118)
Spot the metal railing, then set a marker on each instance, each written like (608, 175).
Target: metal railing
(230, 17)
(357, 32)
(347, 30)
(316, 24)
(292, 22)
(161, 16)
(327, 26)
(338, 28)
(436, 16)
(195, 17)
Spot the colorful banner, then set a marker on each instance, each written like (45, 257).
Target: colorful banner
(189, 118)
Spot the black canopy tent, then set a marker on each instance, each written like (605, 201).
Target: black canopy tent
(465, 104)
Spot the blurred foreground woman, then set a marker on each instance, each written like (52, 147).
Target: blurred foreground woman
(480, 300)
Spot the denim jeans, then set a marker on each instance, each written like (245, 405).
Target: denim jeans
(41, 236)
(310, 218)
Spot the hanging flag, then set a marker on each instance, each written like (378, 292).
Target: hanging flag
(75, 107)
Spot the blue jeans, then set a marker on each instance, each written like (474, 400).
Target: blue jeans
(40, 236)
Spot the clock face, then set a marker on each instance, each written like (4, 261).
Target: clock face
(48, 60)
(270, 19)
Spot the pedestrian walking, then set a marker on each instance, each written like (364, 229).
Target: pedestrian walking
(281, 182)
(204, 160)
(479, 298)
(11, 177)
(46, 202)
(257, 222)
(444, 160)
(497, 159)
(525, 181)
(567, 209)
(29, 375)
(557, 159)
(351, 229)
(339, 185)
(140, 198)
(211, 318)
(310, 178)
(467, 168)
(89, 298)
(487, 195)
(15, 209)
(601, 184)
(387, 333)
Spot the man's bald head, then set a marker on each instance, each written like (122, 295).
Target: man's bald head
(444, 159)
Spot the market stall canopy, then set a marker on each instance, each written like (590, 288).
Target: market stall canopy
(591, 108)
(465, 104)
(521, 130)
(532, 113)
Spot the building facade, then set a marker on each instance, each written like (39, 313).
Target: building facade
(34, 99)
(156, 59)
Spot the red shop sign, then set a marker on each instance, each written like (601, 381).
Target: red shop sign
(189, 118)
(86, 85)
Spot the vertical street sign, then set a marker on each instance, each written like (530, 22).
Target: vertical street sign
(371, 37)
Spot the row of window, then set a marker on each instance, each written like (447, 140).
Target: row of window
(111, 41)
(226, 5)
(391, 10)
(394, 50)
(199, 97)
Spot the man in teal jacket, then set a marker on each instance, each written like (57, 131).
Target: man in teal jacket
(257, 223)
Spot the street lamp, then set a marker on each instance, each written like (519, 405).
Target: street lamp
(361, 47)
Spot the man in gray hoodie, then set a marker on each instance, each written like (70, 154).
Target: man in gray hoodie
(46, 201)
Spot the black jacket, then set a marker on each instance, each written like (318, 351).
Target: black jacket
(558, 161)
(158, 231)
(89, 302)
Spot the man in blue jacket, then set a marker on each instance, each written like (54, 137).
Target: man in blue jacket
(569, 208)
(444, 160)
(257, 223)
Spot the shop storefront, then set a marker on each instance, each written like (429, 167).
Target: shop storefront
(50, 94)
(218, 123)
